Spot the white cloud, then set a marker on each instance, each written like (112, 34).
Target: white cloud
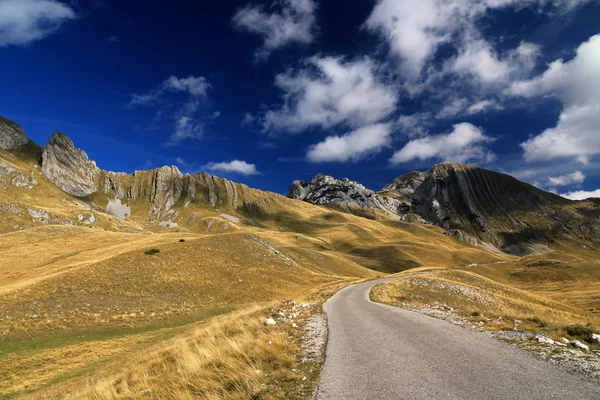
(196, 87)
(235, 166)
(478, 59)
(453, 108)
(331, 92)
(576, 177)
(415, 33)
(465, 143)
(25, 21)
(187, 121)
(352, 146)
(582, 195)
(414, 125)
(482, 106)
(293, 22)
(576, 83)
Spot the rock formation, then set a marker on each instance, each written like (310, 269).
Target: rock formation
(472, 204)
(326, 190)
(403, 187)
(12, 135)
(70, 169)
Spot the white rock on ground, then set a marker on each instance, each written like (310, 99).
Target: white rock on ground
(596, 337)
(579, 345)
(565, 340)
(544, 339)
(270, 321)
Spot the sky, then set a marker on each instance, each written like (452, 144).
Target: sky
(265, 92)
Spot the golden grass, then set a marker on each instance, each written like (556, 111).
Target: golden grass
(478, 298)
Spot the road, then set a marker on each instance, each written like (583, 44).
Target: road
(376, 351)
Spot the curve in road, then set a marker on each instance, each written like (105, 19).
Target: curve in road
(376, 351)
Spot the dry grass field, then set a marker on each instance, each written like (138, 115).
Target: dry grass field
(102, 308)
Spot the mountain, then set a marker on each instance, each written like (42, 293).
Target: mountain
(474, 204)
(345, 194)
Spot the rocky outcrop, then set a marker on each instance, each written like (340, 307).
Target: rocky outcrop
(326, 190)
(69, 167)
(403, 187)
(484, 204)
(477, 206)
(12, 135)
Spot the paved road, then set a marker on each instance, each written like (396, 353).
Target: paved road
(382, 352)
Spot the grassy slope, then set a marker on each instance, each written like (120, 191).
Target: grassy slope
(84, 309)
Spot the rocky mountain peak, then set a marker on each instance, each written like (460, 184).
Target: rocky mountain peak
(69, 167)
(404, 186)
(12, 136)
(327, 190)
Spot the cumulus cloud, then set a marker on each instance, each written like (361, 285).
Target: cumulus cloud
(576, 83)
(235, 166)
(292, 21)
(353, 146)
(414, 34)
(465, 143)
(182, 98)
(574, 178)
(331, 92)
(25, 21)
(582, 195)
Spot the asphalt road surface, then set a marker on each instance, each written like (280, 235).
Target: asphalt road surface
(375, 351)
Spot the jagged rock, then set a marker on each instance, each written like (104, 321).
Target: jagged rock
(596, 338)
(326, 190)
(12, 135)
(404, 186)
(69, 167)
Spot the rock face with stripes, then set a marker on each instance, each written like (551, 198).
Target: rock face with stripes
(473, 204)
(70, 169)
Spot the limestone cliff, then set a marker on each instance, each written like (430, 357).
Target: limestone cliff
(12, 135)
(70, 169)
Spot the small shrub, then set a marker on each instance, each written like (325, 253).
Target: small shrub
(581, 331)
(181, 240)
(475, 314)
(152, 251)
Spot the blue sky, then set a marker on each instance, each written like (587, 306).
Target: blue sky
(266, 92)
